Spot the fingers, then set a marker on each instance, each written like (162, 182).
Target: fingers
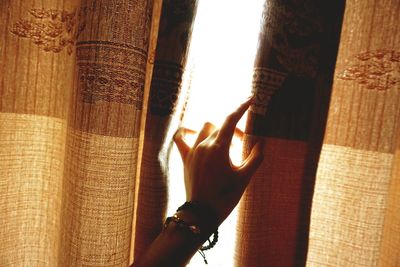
(228, 128)
(187, 131)
(213, 135)
(239, 133)
(205, 132)
(251, 164)
(180, 142)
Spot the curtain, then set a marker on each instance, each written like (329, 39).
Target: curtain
(76, 87)
(292, 81)
(73, 77)
(87, 93)
(356, 207)
(37, 77)
(174, 33)
(335, 204)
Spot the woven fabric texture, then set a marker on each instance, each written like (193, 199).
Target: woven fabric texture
(389, 253)
(102, 138)
(349, 205)
(342, 205)
(292, 86)
(267, 227)
(355, 203)
(37, 66)
(31, 170)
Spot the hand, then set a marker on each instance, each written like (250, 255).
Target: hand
(210, 176)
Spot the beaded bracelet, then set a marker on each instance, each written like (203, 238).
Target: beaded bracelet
(201, 211)
(194, 229)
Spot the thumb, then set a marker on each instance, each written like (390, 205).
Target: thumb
(252, 162)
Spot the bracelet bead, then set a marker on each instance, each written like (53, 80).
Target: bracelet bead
(200, 211)
(182, 224)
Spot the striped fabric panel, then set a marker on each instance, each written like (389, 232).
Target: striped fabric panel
(37, 66)
(354, 209)
(292, 82)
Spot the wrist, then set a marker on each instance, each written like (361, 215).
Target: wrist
(196, 224)
(204, 225)
(205, 216)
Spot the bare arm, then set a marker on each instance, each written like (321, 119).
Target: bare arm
(210, 179)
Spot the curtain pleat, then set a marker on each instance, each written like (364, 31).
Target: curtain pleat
(389, 251)
(103, 132)
(292, 80)
(36, 76)
(355, 213)
(174, 34)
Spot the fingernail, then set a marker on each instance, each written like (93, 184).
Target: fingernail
(177, 132)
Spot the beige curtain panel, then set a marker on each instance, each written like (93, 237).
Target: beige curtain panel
(87, 93)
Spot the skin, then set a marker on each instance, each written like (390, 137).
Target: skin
(210, 179)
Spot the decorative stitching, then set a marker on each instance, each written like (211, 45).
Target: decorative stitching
(165, 85)
(176, 24)
(265, 83)
(50, 29)
(112, 63)
(293, 30)
(111, 72)
(374, 70)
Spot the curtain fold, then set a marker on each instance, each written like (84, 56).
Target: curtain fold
(293, 73)
(355, 212)
(174, 34)
(103, 133)
(37, 62)
(389, 254)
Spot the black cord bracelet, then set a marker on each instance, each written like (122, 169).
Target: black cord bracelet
(202, 211)
(212, 243)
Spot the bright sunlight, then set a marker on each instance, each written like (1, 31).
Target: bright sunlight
(219, 76)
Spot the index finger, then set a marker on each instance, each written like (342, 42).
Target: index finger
(180, 142)
(228, 128)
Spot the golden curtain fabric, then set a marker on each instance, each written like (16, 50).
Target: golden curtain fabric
(355, 206)
(103, 132)
(72, 134)
(37, 77)
(72, 84)
(292, 80)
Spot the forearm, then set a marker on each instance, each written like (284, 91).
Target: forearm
(213, 188)
(174, 246)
